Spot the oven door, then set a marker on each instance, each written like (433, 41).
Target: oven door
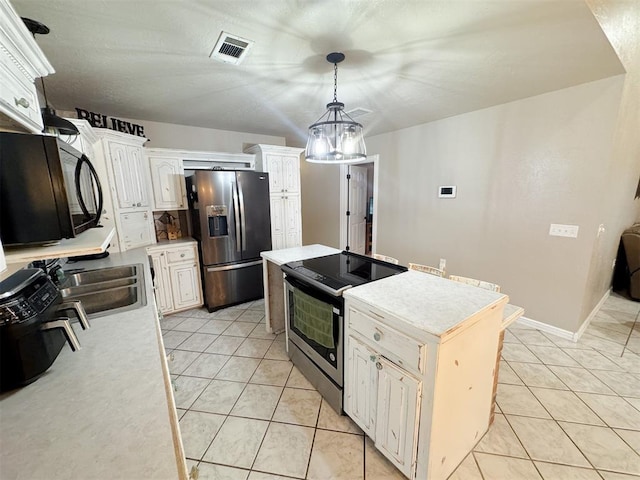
(315, 326)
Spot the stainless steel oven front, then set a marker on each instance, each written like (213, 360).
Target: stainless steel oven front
(314, 326)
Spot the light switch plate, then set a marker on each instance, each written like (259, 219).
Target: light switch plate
(558, 230)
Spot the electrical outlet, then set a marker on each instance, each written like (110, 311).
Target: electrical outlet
(443, 263)
(557, 230)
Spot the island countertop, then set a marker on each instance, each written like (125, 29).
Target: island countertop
(103, 412)
(286, 255)
(426, 302)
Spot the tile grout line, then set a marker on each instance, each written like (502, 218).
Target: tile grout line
(552, 418)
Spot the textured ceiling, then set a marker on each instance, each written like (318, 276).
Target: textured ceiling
(408, 61)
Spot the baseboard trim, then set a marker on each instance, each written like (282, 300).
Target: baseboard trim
(590, 317)
(566, 334)
(545, 327)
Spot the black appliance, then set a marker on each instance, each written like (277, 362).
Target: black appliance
(31, 335)
(231, 220)
(314, 309)
(48, 190)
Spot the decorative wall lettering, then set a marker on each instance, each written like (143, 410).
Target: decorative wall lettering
(100, 120)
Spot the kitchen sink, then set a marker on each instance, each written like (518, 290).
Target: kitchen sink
(106, 291)
(101, 275)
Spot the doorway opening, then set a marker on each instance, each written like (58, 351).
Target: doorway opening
(358, 206)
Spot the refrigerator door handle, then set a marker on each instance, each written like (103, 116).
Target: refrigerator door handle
(234, 266)
(236, 214)
(242, 218)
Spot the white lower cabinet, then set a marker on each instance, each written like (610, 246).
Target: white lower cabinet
(384, 401)
(398, 404)
(185, 285)
(424, 399)
(177, 276)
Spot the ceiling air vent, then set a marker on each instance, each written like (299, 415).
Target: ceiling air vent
(230, 48)
(358, 112)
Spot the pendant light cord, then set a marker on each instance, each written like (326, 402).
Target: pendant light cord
(335, 82)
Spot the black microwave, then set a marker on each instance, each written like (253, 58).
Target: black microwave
(48, 190)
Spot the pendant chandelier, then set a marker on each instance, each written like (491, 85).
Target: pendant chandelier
(335, 137)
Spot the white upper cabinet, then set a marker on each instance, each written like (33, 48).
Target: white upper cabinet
(283, 166)
(168, 183)
(21, 62)
(129, 186)
(128, 171)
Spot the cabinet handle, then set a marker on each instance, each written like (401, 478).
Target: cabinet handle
(138, 204)
(372, 358)
(162, 254)
(377, 336)
(181, 255)
(23, 102)
(378, 365)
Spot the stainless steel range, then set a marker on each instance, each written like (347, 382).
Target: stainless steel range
(314, 310)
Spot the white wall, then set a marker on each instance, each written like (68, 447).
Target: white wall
(184, 137)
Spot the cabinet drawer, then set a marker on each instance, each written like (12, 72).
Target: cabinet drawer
(180, 255)
(405, 351)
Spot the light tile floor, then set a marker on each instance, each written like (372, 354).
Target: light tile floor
(565, 410)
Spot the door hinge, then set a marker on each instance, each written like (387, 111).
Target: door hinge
(348, 213)
(348, 176)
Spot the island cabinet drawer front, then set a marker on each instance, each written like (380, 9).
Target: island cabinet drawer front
(405, 351)
(180, 255)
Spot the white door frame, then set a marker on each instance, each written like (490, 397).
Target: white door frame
(343, 201)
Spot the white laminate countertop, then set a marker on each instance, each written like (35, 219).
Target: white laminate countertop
(426, 302)
(162, 244)
(94, 240)
(286, 255)
(98, 413)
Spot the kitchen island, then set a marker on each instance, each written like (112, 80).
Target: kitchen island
(420, 368)
(103, 412)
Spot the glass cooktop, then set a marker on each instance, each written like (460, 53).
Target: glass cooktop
(343, 269)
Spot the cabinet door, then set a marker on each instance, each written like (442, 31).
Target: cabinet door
(136, 230)
(121, 175)
(162, 283)
(138, 172)
(167, 179)
(397, 404)
(278, 238)
(185, 285)
(360, 385)
(276, 173)
(292, 221)
(291, 174)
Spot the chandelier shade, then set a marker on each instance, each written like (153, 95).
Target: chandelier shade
(335, 137)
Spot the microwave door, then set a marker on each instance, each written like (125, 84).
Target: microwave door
(88, 192)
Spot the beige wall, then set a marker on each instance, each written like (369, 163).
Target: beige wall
(184, 137)
(320, 185)
(518, 167)
(620, 20)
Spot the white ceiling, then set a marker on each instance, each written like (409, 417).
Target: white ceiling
(409, 61)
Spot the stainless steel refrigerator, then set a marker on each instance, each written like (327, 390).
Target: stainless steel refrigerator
(231, 220)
